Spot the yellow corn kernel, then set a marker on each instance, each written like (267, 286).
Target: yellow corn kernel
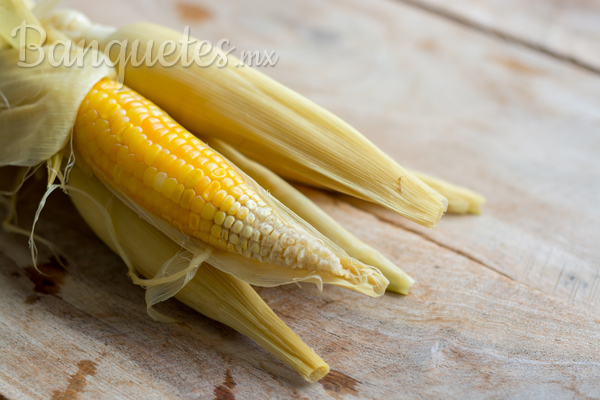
(129, 162)
(208, 212)
(227, 203)
(227, 183)
(184, 172)
(135, 143)
(91, 116)
(123, 152)
(194, 221)
(162, 154)
(198, 204)
(220, 218)
(236, 192)
(219, 198)
(191, 155)
(233, 210)
(119, 126)
(187, 198)
(206, 225)
(120, 113)
(168, 187)
(211, 190)
(193, 178)
(202, 184)
(114, 150)
(216, 231)
(159, 181)
(130, 133)
(149, 175)
(177, 193)
(174, 167)
(138, 170)
(228, 221)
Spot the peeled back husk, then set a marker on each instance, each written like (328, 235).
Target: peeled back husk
(216, 294)
(38, 105)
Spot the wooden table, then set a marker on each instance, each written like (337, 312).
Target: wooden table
(502, 97)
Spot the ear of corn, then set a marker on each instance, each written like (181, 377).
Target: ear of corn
(165, 172)
(275, 126)
(77, 26)
(400, 282)
(211, 292)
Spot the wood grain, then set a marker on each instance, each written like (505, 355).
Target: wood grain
(568, 30)
(490, 315)
(463, 330)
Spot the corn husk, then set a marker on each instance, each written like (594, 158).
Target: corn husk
(15, 12)
(460, 199)
(12, 14)
(3, 43)
(52, 95)
(400, 282)
(211, 292)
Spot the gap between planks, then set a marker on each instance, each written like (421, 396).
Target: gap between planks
(498, 33)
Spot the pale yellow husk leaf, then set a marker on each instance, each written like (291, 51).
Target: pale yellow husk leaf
(12, 14)
(38, 105)
(460, 199)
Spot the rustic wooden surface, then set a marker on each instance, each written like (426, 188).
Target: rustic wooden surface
(569, 29)
(506, 303)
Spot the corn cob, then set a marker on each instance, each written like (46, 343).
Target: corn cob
(143, 153)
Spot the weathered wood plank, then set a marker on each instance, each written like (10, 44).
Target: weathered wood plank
(569, 30)
(463, 330)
